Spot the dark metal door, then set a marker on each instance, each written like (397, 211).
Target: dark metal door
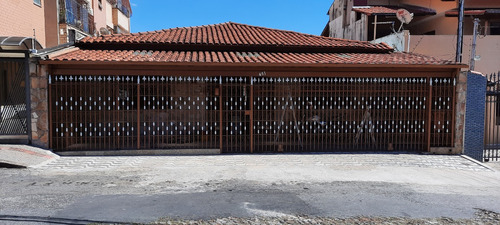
(492, 119)
(13, 111)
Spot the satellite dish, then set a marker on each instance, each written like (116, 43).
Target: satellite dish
(404, 16)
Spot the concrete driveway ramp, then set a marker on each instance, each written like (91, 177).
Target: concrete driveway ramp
(23, 156)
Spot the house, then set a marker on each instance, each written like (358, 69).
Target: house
(237, 88)
(432, 31)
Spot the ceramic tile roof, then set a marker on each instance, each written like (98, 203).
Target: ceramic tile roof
(231, 43)
(248, 57)
(231, 34)
(375, 10)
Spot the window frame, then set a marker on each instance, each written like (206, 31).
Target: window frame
(37, 2)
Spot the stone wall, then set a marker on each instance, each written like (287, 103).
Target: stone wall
(461, 97)
(39, 105)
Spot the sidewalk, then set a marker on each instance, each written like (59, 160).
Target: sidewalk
(276, 168)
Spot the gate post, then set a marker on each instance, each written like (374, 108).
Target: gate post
(38, 105)
(474, 115)
(27, 86)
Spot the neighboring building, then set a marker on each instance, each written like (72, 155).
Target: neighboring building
(431, 32)
(55, 22)
(113, 16)
(81, 18)
(29, 29)
(236, 88)
(23, 19)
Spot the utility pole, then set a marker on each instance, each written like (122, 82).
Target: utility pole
(460, 31)
(473, 52)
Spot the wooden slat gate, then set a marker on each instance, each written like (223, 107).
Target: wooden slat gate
(251, 114)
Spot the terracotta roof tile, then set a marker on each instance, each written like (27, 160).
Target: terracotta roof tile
(394, 58)
(372, 10)
(230, 34)
(230, 43)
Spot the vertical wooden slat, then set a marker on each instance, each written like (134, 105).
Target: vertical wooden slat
(429, 115)
(138, 114)
(252, 138)
(221, 124)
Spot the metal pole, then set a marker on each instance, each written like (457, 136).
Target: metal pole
(460, 31)
(375, 28)
(27, 84)
(473, 52)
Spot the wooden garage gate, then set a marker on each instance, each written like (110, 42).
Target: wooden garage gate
(245, 114)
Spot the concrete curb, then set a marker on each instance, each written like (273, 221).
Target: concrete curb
(477, 162)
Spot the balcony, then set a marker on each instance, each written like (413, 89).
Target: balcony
(123, 6)
(77, 13)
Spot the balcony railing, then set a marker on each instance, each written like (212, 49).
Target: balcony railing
(74, 13)
(124, 8)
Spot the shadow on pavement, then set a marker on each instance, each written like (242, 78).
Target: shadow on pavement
(53, 220)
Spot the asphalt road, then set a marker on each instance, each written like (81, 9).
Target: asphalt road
(32, 196)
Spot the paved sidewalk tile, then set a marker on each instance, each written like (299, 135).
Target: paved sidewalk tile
(343, 160)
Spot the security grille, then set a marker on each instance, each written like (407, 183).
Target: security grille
(13, 115)
(251, 114)
(492, 119)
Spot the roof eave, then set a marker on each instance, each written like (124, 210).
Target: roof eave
(225, 64)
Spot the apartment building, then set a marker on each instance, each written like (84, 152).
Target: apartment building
(55, 22)
(23, 18)
(80, 18)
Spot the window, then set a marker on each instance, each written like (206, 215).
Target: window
(99, 2)
(495, 28)
(37, 2)
(358, 16)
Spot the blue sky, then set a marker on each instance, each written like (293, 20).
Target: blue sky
(305, 16)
